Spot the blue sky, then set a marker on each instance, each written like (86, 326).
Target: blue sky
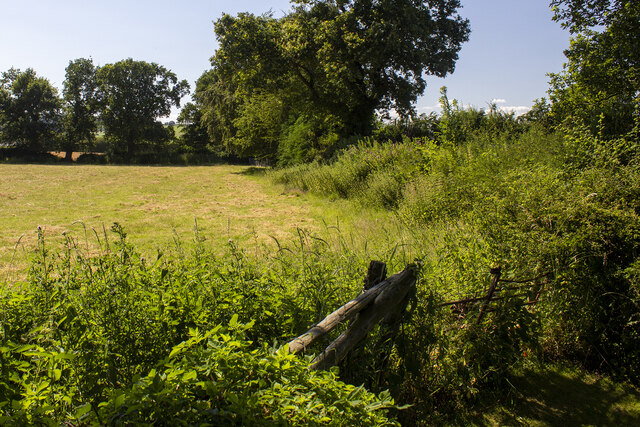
(513, 43)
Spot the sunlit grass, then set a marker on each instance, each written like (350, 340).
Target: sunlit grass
(157, 205)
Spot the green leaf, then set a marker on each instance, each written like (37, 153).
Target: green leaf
(83, 410)
(234, 321)
(190, 376)
(119, 400)
(64, 356)
(177, 349)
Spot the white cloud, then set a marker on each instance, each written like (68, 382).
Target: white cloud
(428, 109)
(517, 110)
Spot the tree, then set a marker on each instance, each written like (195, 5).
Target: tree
(577, 15)
(29, 110)
(81, 101)
(600, 84)
(194, 134)
(330, 62)
(134, 94)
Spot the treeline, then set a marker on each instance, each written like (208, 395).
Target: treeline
(114, 107)
(280, 90)
(301, 87)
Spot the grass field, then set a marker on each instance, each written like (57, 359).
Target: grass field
(157, 205)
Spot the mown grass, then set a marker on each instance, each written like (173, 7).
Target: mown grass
(157, 205)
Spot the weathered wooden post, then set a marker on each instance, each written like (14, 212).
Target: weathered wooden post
(492, 289)
(380, 301)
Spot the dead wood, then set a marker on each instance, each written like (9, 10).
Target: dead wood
(494, 283)
(390, 299)
(346, 312)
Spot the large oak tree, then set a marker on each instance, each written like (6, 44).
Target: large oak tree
(327, 66)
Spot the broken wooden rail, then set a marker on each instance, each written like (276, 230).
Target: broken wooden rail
(381, 299)
(385, 300)
(534, 288)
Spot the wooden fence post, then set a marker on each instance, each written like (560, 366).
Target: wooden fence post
(492, 289)
(380, 301)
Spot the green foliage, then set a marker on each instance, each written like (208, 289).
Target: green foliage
(105, 337)
(81, 101)
(309, 139)
(422, 127)
(325, 68)
(535, 203)
(258, 127)
(378, 174)
(579, 14)
(599, 85)
(134, 94)
(216, 377)
(194, 135)
(541, 214)
(371, 172)
(29, 110)
(457, 124)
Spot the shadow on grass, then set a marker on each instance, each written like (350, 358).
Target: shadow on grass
(252, 171)
(558, 397)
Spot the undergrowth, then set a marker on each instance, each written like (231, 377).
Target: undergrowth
(184, 338)
(190, 337)
(562, 207)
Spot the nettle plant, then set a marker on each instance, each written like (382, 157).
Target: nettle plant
(111, 337)
(219, 377)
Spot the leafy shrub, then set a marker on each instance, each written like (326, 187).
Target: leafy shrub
(216, 378)
(85, 327)
(562, 205)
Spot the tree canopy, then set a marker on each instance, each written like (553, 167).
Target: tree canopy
(577, 15)
(29, 110)
(134, 94)
(194, 134)
(600, 83)
(81, 102)
(324, 69)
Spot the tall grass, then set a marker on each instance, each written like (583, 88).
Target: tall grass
(113, 335)
(85, 337)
